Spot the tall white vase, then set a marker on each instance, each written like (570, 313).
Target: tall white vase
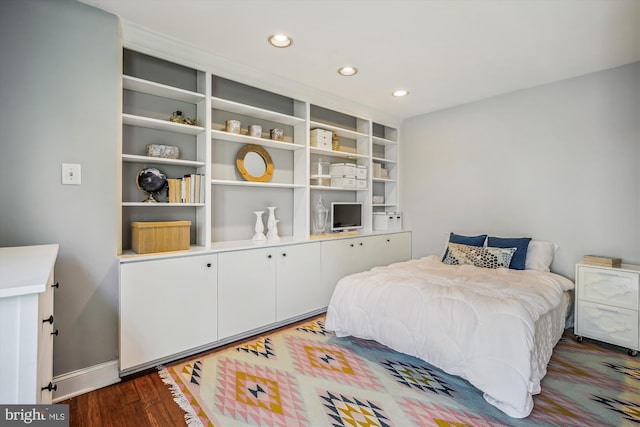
(259, 228)
(272, 225)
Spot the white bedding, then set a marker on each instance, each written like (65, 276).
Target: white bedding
(494, 327)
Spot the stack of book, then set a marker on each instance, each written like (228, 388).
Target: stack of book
(188, 189)
(602, 261)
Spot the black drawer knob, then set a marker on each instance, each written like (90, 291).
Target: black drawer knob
(57, 285)
(208, 265)
(284, 254)
(269, 256)
(50, 387)
(55, 332)
(49, 319)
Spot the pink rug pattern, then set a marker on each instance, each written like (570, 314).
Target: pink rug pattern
(305, 376)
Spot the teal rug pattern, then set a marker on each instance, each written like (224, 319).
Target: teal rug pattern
(305, 376)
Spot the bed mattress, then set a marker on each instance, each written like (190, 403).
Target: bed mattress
(494, 327)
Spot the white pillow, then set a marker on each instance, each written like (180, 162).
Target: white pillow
(540, 255)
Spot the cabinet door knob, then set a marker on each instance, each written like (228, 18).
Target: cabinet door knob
(50, 387)
(360, 243)
(50, 320)
(352, 245)
(284, 254)
(57, 285)
(208, 265)
(269, 256)
(55, 332)
(388, 240)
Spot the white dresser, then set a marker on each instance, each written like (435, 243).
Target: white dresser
(607, 304)
(26, 324)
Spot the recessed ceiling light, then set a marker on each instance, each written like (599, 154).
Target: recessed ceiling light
(400, 92)
(347, 70)
(280, 40)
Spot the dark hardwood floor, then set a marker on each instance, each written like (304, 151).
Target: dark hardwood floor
(141, 401)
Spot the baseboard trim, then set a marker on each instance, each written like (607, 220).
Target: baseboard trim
(85, 380)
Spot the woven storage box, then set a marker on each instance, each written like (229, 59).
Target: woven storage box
(164, 236)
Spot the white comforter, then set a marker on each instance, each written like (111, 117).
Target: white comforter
(477, 323)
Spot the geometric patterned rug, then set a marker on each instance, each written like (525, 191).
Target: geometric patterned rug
(305, 376)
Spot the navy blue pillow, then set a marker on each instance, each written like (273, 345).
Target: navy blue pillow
(520, 243)
(466, 240)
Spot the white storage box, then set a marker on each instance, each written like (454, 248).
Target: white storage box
(361, 184)
(321, 138)
(361, 172)
(343, 182)
(345, 170)
(387, 221)
(384, 173)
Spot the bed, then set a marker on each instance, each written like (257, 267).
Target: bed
(494, 327)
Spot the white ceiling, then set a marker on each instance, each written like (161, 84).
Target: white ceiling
(445, 52)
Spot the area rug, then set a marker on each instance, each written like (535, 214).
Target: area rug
(305, 376)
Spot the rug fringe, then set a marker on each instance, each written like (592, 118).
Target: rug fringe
(190, 415)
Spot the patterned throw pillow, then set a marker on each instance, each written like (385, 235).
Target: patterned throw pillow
(479, 256)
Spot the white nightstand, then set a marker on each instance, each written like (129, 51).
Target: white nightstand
(607, 304)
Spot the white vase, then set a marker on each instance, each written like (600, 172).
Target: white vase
(259, 228)
(272, 225)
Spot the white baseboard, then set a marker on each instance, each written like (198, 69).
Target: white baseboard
(85, 380)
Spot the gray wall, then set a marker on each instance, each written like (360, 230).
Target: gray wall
(59, 103)
(558, 162)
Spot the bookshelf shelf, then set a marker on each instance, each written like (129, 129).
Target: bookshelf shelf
(258, 113)
(151, 123)
(158, 89)
(133, 158)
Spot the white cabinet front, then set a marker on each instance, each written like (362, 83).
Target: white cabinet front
(347, 256)
(247, 290)
(166, 307)
(298, 281)
(339, 259)
(389, 248)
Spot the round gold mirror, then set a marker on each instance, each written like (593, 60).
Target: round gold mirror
(254, 163)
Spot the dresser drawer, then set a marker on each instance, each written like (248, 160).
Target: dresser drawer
(606, 323)
(608, 286)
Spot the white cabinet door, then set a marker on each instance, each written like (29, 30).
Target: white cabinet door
(347, 256)
(388, 248)
(246, 290)
(339, 259)
(298, 285)
(156, 299)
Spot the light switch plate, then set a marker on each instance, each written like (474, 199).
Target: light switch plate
(71, 174)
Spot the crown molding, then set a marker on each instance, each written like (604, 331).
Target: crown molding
(138, 38)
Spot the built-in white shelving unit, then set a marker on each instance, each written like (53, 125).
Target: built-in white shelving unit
(288, 279)
(154, 88)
